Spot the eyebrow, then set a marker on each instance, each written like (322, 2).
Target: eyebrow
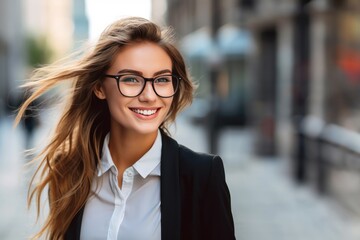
(140, 73)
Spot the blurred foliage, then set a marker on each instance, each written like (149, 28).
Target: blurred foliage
(38, 51)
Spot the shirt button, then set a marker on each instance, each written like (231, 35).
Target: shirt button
(129, 174)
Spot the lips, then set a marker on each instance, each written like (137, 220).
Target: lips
(144, 112)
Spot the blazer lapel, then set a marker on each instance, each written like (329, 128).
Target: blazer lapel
(170, 189)
(74, 230)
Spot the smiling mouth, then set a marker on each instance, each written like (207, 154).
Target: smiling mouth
(144, 112)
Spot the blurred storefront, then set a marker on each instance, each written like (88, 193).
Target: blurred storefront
(306, 73)
(343, 94)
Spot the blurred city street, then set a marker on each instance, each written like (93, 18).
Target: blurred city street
(277, 98)
(266, 204)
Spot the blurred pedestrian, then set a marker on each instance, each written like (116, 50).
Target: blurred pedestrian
(112, 169)
(2, 109)
(31, 122)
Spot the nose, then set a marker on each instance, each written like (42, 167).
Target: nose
(148, 93)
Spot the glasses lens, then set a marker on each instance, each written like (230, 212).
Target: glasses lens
(166, 86)
(131, 85)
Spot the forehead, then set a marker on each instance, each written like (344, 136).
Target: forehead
(145, 57)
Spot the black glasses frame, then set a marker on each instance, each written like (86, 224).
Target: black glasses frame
(117, 78)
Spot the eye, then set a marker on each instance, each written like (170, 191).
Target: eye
(163, 79)
(130, 79)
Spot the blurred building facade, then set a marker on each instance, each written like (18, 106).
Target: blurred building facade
(63, 25)
(80, 23)
(11, 49)
(158, 11)
(33, 33)
(300, 78)
(50, 22)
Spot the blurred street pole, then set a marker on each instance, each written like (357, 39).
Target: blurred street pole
(301, 82)
(214, 63)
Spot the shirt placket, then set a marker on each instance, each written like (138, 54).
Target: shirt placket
(121, 196)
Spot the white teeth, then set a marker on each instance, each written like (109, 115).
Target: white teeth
(145, 112)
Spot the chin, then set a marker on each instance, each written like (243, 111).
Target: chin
(147, 130)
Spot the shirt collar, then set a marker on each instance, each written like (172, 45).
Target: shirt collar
(148, 164)
(106, 160)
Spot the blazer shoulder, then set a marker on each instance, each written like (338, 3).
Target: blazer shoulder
(189, 153)
(189, 161)
(196, 161)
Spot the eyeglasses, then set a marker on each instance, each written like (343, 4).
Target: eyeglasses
(130, 85)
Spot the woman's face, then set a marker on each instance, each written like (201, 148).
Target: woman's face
(145, 113)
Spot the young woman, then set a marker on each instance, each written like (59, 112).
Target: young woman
(111, 168)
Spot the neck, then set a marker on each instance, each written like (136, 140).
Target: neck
(128, 147)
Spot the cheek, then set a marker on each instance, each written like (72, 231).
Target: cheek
(114, 101)
(169, 104)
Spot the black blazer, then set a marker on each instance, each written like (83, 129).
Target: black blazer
(195, 200)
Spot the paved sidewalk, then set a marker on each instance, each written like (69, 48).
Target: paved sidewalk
(267, 205)
(16, 222)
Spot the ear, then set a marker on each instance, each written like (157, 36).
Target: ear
(99, 91)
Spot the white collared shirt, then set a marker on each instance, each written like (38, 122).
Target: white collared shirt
(132, 212)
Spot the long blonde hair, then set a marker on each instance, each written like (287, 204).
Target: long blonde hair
(69, 162)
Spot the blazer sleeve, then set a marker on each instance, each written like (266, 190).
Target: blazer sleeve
(218, 219)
